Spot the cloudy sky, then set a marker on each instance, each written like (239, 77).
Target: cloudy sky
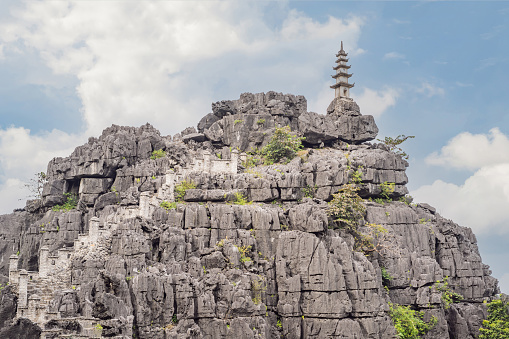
(436, 70)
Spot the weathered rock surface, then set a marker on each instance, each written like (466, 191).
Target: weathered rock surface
(119, 265)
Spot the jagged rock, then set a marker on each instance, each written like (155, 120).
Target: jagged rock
(247, 252)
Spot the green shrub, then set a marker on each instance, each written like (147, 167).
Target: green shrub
(386, 276)
(394, 143)
(168, 205)
(240, 199)
(448, 296)
(372, 238)
(282, 145)
(260, 121)
(158, 154)
(346, 206)
(409, 323)
(70, 203)
(309, 192)
(357, 177)
(497, 325)
(238, 121)
(181, 188)
(387, 189)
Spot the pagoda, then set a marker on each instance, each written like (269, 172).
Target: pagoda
(342, 87)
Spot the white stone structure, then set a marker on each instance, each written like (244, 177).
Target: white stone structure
(342, 87)
(213, 165)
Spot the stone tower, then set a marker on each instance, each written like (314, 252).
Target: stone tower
(342, 87)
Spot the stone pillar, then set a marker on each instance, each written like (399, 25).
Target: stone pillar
(206, 162)
(13, 269)
(93, 230)
(33, 305)
(43, 261)
(234, 161)
(145, 204)
(23, 289)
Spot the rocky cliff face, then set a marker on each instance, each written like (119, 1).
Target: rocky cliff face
(120, 265)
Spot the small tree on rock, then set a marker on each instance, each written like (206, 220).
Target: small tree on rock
(283, 145)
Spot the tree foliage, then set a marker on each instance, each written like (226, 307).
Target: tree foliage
(497, 325)
(409, 323)
(36, 185)
(282, 145)
(347, 206)
(394, 143)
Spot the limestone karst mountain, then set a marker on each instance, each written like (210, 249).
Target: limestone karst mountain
(160, 242)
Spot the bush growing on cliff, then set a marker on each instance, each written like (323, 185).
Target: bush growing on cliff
(180, 189)
(409, 323)
(282, 145)
(347, 206)
(159, 153)
(36, 185)
(70, 203)
(497, 325)
(394, 143)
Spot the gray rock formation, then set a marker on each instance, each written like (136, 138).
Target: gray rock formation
(135, 260)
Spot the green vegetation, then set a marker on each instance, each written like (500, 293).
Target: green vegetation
(497, 325)
(70, 203)
(98, 327)
(36, 185)
(394, 143)
(282, 146)
(386, 276)
(3, 286)
(181, 188)
(372, 238)
(357, 177)
(409, 323)
(387, 188)
(168, 205)
(257, 288)
(244, 251)
(238, 121)
(346, 206)
(278, 324)
(309, 192)
(240, 199)
(260, 121)
(158, 154)
(448, 296)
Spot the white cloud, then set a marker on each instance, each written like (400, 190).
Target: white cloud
(162, 62)
(147, 61)
(394, 56)
(481, 202)
(375, 102)
(473, 151)
(2, 56)
(22, 155)
(430, 90)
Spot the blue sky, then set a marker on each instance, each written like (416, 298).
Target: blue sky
(436, 70)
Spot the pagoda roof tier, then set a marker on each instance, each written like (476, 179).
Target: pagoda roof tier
(344, 84)
(342, 59)
(341, 74)
(341, 66)
(341, 51)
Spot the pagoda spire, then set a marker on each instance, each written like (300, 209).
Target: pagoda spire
(342, 87)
